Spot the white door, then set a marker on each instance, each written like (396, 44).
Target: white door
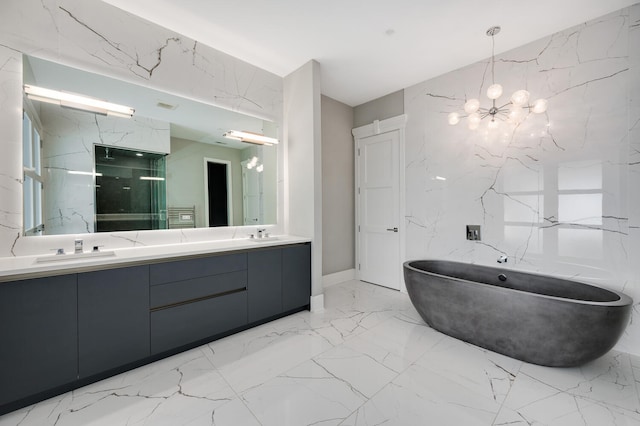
(378, 209)
(252, 196)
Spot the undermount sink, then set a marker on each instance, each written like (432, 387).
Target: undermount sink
(74, 256)
(263, 239)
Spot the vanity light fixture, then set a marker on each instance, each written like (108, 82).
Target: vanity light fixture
(80, 102)
(512, 111)
(250, 137)
(151, 178)
(79, 172)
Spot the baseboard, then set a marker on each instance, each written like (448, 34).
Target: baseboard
(338, 277)
(317, 303)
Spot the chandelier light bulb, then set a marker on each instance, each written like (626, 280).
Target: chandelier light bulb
(471, 106)
(521, 97)
(514, 111)
(494, 91)
(516, 114)
(539, 106)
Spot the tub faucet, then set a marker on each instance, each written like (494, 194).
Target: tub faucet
(502, 259)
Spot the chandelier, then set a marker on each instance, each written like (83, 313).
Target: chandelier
(514, 111)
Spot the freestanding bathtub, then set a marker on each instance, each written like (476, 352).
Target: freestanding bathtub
(535, 318)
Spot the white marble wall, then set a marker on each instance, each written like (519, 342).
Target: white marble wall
(96, 37)
(69, 137)
(559, 193)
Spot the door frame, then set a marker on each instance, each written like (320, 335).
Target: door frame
(378, 127)
(245, 171)
(229, 190)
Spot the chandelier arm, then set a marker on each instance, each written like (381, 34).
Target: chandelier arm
(502, 112)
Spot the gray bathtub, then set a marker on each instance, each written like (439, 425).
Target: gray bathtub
(535, 318)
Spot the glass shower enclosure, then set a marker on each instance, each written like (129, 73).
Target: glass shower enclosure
(130, 190)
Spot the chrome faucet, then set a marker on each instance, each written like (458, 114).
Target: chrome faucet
(502, 259)
(262, 232)
(78, 246)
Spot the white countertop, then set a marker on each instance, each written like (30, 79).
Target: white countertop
(32, 266)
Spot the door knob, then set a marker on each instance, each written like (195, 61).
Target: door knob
(392, 229)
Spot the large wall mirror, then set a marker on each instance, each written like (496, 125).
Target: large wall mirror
(168, 166)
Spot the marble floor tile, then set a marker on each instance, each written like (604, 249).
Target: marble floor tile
(404, 337)
(483, 371)
(278, 353)
(420, 396)
(361, 371)
(579, 412)
(378, 353)
(368, 359)
(608, 379)
(308, 394)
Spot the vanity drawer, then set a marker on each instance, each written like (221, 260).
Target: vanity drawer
(191, 290)
(182, 270)
(181, 325)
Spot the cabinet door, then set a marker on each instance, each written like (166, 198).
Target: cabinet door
(113, 318)
(185, 324)
(38, 336)
(265, 283)
(296, 276)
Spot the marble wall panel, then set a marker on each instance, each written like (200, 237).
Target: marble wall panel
(11, 137)
(69, 137)
(557, 193)
(97, 37)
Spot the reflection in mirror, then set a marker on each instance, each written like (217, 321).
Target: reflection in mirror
(129, 190)
(70, 184)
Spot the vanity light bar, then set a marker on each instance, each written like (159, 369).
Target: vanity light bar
(71, 100)
(250, 137)
(78, 172)
(151, 178)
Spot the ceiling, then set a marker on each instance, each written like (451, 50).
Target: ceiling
(366, 48)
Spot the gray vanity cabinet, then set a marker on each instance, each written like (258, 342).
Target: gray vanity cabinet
(296, 276)
(279, 280)
(265, 283)
(196, 299)
(64, 331)
(38, 336)
(113, 318)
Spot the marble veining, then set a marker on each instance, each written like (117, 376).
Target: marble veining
(555, 193)
(99, 38)
(70, 135)
(382, 365)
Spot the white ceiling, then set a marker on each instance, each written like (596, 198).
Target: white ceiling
(366, 48)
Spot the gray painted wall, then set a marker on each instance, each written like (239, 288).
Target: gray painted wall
(338, 198)
(387, 106)
(185, 176)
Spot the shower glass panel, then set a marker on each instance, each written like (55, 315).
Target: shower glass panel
(130, 189)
